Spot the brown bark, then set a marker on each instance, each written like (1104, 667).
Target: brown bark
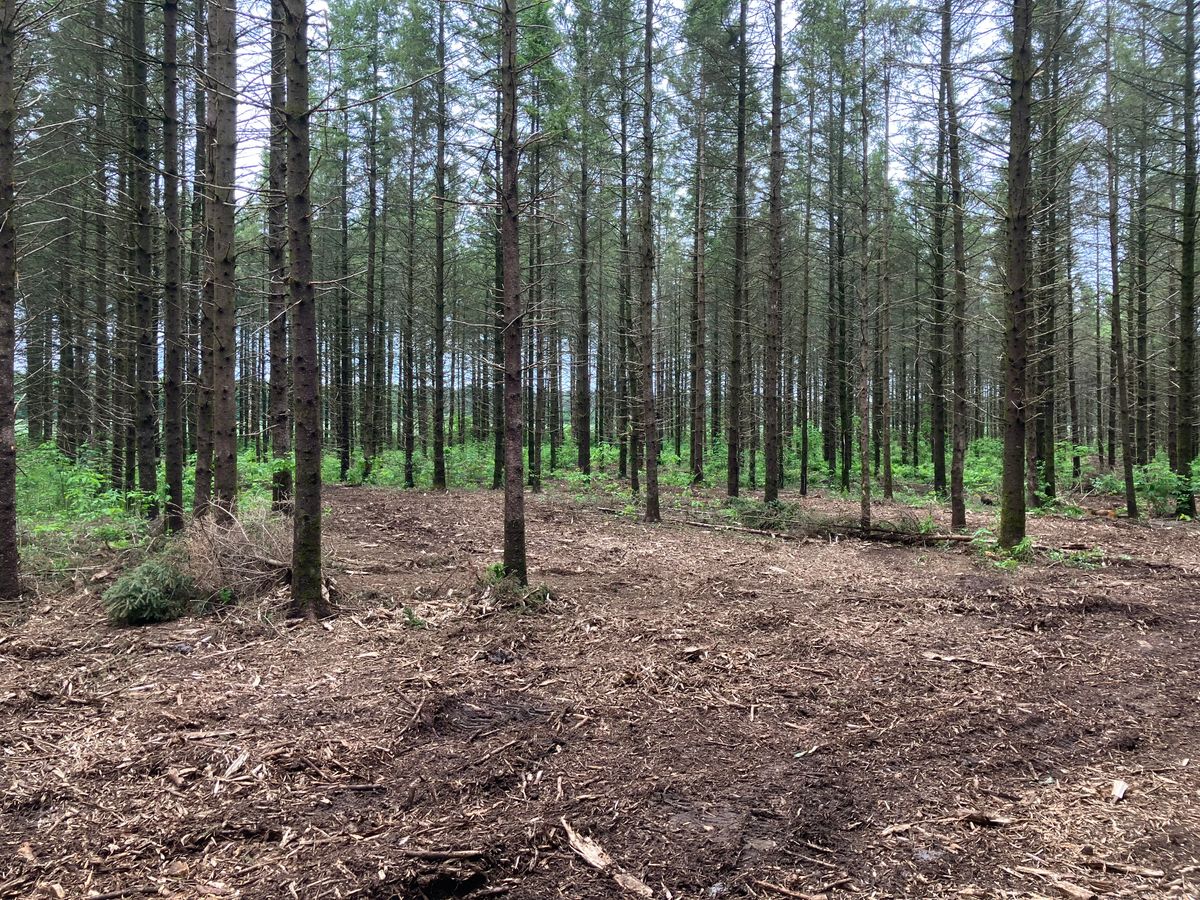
(173, 371)
(1185, 403)
(10, 580)
(885, 300)
(583, 391)
(1117, 340)
(279, 414)
(439, 267)
(198, 273)
(307, 589)
(510, 248)
(370, 401)
(146, 349)
(410, 301)
(805, 293)
(738, 310)
(222, 109)
(699, 314)
(772, 434)
(937, 337)
(1018, 228)
(958, 342)
(864, 310)
(646, 269)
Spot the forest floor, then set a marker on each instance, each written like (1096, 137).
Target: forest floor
(694, 713)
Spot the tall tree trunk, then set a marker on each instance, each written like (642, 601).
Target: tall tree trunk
(937, 338)
(173, 369)
(146, 346)
(646, 270)
(10, 580)
(308, 597)
(510, 246)
(583, 393)
(1048, 375)
(773, 348)
(439, 267)
(102, 392)
(1186, 398)
(864, 307)
(1072, 376)
(367, 389)
(222, 70)
(629, 367)
(805, 293)
(277, 238)
(885, 300)
(958, 340)
(1140, 336)
(829, 392)
(1114, 263)
(699, 313)
(345, 381)
(198, 265)
(738, 310)
(202, 248)
(845, 412)
(410, 303)
(1018, 227)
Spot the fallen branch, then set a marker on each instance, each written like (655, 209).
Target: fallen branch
(889, 535)
(946, 658)
(1105, 865)
(822, 894)
(438, 854)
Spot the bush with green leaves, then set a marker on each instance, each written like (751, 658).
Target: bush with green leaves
(155, 591)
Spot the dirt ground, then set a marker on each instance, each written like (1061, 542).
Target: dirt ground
(699, 713)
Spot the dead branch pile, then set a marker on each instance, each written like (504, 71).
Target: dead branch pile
(245, 557)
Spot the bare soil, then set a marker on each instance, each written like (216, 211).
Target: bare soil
(701, 713)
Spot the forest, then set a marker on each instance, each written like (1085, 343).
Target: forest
(716, 448)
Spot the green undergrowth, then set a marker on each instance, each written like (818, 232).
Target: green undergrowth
(72, 521)
(1010, 559)
(500, 591)
(154, 591)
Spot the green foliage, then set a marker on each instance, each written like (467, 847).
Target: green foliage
(467, 466)
(56, 493)
(1079, 559)
(412, 620)
(1158, 488)
(1159, 485)
(502, 592)
(493, 575)
(1008, 560)
(155, 591)
(66, 510)
(778, 516)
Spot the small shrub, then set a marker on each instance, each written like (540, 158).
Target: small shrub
(155, 591)
(493, 575)
(1160, 486)
(983, 542)
(498, 591)
(412, 620)
(1080, 559)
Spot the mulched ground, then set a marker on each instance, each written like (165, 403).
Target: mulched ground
(698, 713)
